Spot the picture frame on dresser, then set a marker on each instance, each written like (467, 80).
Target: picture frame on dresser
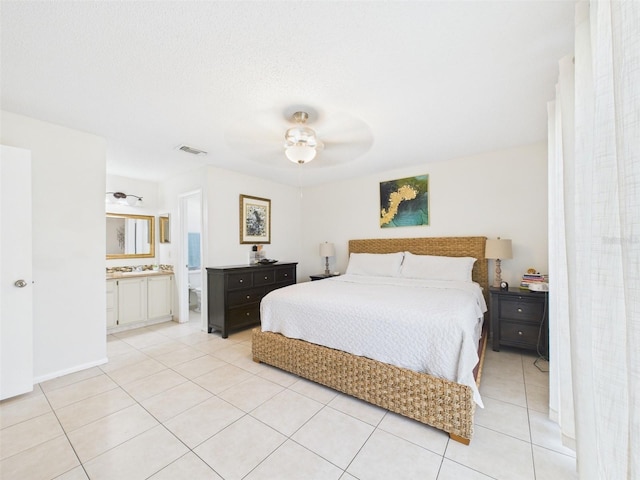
(255, 220)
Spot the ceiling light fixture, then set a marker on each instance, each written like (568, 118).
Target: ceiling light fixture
(123, 199)
(300, 141)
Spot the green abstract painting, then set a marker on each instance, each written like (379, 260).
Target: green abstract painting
(404, 202)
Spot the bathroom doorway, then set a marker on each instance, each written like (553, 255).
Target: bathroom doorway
(192, 270)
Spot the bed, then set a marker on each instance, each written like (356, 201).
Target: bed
(430, 399)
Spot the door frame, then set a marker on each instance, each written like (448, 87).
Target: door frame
(183, 272)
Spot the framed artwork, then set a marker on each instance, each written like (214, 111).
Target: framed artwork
(255, 220)
(404, 202)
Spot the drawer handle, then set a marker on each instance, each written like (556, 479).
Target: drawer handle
(241, 280)
(266, 278)
(248, 297)
(248, 314)
(520, 332)
(286, 274)
(519, 310)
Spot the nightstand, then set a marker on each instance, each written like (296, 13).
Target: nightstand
(322, 276)
(520, 318)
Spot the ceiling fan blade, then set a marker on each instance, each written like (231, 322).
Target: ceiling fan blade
(259, 136)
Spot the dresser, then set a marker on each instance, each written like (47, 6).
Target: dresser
(520, 318)
(234, 293)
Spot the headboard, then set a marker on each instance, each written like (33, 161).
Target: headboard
(444, 246)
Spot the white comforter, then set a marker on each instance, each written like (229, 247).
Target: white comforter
(423, 325)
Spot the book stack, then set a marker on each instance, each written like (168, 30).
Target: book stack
(533, 278)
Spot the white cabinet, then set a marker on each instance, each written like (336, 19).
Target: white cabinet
(132, 300)
(159, 291)
(112, 303)
(139, 300)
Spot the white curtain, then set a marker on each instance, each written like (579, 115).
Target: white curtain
(594, 242)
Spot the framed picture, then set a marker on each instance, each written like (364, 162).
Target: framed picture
(255, 220)
(404, 202)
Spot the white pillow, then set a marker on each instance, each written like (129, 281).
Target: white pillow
(376, 264)
(430, 267)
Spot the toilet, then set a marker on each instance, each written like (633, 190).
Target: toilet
(195, 290)
(195, 298)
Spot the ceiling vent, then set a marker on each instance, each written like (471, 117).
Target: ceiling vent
(188, 149)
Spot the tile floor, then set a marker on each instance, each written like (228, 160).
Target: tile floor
(176, 403)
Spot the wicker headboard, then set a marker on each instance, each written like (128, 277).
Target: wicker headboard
(445, 246)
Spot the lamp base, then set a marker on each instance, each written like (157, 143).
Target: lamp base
(326, 266)
(497, 279)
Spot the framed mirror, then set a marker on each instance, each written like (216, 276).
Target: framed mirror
(130, 236)
(165, 228)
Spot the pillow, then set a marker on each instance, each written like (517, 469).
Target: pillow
(430, 267)
(377, 264)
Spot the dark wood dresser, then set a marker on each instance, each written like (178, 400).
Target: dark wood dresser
(234, 293)
(520, 318)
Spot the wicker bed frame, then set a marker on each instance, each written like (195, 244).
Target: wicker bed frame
(443, 404)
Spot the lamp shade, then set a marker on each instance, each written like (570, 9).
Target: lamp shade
(498, 249)
(300, 153)
(327, 250)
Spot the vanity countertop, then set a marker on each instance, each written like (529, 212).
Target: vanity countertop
(144, 273)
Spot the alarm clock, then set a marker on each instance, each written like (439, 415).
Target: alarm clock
(504, 286)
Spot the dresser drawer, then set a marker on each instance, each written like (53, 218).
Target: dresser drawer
(239, 280)
(238, 317)
(518, 334)
(244, 297)
(286, 275)
(521, 310)
(264, 277)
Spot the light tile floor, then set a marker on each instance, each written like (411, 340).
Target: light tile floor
(176, 403)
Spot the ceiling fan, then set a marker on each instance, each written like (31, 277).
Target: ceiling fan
(300, 134)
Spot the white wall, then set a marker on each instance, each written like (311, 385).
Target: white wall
(68, 179)
(495, 194)
(221, 191)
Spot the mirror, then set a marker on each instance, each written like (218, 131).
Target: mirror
(130, 236)
(164, 228)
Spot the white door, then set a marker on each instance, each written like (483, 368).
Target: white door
(191, 221)
(16, 289)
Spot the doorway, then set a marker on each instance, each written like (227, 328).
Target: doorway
(192, 285)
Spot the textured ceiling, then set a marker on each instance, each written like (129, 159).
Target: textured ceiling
(429, 81)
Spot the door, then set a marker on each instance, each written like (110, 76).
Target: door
(16, 289)
(191, 255)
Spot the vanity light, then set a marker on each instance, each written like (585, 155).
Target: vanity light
(123, 199)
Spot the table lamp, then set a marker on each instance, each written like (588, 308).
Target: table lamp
(327, 250)
(498, 249)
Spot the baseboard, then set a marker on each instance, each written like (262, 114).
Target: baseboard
(67, 371)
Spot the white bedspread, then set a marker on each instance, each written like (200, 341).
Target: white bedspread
(423, 325)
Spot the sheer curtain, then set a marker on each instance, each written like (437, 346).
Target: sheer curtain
(594, 242)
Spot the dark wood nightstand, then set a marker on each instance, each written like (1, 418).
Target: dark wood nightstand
(322, 276)
(520, 318)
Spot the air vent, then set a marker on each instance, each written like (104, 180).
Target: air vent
(188, 149)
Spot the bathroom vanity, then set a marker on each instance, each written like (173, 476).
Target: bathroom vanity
(136, 299)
